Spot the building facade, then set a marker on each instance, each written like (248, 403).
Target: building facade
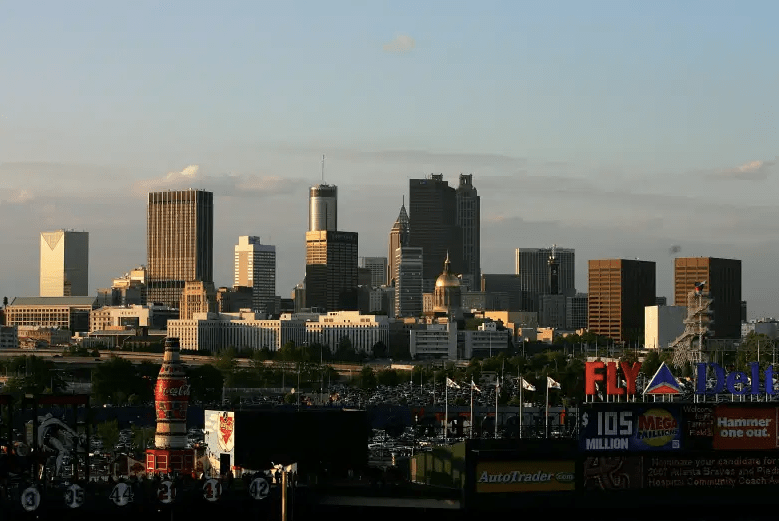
(70, 313)
(64, 268)
(469, 221)
(323, 208)
(662, 325)
(533, 270)
(331, 270)
(433, 226)
(503, 289)
(197, 297)
(408, 281)
(723, 283)
(179, 242)
(377, 266)
(255, 267)
(576, 312)
(619, 290)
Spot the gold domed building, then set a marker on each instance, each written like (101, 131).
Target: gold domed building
(447, 297)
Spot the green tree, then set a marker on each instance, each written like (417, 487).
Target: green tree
(345, 351)
(367, 378)
(34, 375)
(142, 438)
(117, 378)
(380, 350)
(206, 382)
(388, 377)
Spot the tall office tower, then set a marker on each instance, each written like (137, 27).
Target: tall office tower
(433, 226)
(533, 269)
(255, 267)
(323, 208)
(408, 281)
(179, 242)
(377, 267)
(723, 282)
(619, 290)
(469, 221)
(331, 270)
(64, 264)
(398, 238)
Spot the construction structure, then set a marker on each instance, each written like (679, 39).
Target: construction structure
(690, 345)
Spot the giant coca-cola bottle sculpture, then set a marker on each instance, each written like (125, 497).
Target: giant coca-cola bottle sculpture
(171, 397)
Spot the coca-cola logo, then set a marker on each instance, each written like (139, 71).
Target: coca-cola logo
(182, 390)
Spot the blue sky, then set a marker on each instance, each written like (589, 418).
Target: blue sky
(616, 128)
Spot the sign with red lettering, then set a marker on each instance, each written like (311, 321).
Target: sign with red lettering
(594, 372)
(745, 428)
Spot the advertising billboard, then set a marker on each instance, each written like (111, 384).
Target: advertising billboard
(631, 427)
(525, 476)
(726, 470)
(745, 428)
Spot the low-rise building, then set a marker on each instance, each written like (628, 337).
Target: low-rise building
(9, 337)
(70, 313)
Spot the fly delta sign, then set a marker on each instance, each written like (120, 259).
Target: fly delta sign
(711, 378)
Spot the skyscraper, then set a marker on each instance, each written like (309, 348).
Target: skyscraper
(179, 242)
(533, 269)
(433, 227)
(377, 267)
(323, 208)
(619, 290)
(331, 270)
(408, 281)
(398, 237)
(64, 264)
(469, 221)
(723, 282)
(255, 267)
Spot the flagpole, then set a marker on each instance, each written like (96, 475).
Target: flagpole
(471, 433)
(497, 392)
(547, 407)
(521, 403)
(446, 408)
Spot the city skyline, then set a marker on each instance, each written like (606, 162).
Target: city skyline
(621, 131)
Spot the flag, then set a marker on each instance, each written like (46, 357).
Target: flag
(451, 383)
(474, 386)
(526, 385)
(551, 384)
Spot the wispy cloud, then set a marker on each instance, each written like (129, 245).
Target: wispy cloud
(402, 43)
(751, 171)
(233, 185)
(19, 196)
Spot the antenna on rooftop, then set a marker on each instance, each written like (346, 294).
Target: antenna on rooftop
(323, 169)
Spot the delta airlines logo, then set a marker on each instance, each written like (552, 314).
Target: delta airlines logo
(663, 382)
(710, 379)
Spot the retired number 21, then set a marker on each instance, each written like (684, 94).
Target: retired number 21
(615, 422)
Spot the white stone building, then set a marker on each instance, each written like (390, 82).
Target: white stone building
(662, 325)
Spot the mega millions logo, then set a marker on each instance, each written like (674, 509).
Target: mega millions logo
(657, 428)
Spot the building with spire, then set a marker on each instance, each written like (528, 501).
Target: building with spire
(398, 237)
